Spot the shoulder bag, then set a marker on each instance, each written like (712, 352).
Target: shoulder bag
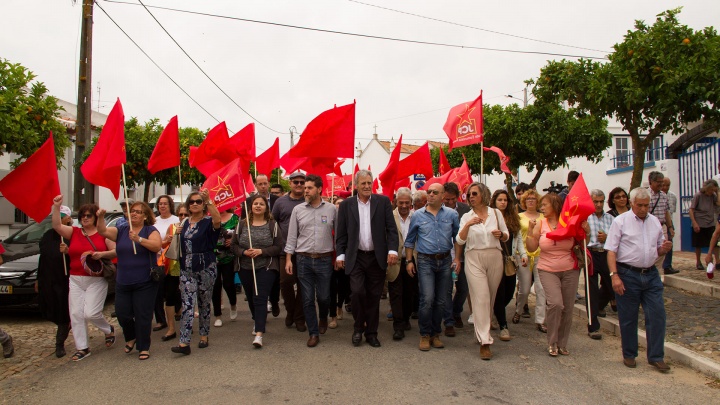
(173, 251)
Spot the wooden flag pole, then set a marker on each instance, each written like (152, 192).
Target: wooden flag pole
(127, 205)
(180, 184)
(62, 240)
(587, 284)
(482, 160)
(247, 221)
(332, 187)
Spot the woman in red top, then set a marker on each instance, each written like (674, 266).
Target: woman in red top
(87, 293)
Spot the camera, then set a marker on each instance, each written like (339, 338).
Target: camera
(554, 188)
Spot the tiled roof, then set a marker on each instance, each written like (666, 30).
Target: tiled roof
(406, 148)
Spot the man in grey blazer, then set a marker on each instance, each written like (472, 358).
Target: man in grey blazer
(366, 242)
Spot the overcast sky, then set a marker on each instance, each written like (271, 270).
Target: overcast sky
(285, 77)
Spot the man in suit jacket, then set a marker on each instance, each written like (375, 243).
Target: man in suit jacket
(453, 313)
(401, 286)
(366, 243)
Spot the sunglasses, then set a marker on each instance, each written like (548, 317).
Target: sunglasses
(298, 182)
(435, 192)
(196, 202)
(139, 212)
(87, 216)
(474, 193)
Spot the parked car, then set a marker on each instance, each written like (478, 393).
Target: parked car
(18, 272)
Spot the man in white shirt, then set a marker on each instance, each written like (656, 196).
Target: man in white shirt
(634, 243)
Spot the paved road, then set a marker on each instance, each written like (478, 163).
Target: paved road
(286, 371)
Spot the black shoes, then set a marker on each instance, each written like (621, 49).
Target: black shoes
(275, 309)
(165, 338)
(399, 334)
(670, 270)
(159, 327)
(60, 351)
(356, 339)
(181, 349)
(373, 341)
(203, 344)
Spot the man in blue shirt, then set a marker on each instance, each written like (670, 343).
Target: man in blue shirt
(431, 232)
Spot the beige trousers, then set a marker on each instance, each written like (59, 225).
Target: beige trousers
(560, 288)
(484, 271)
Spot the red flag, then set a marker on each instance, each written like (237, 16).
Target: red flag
(357, 169)
(319, 166)
(215, 146)
(419, 162)
(460, 176)
(243, 143)
(464, 125)
(503, 159)
(229, 185)
(268, 160)
(337, 168)
(443, 165)
(32, 186)
(403, 182)
(330, 135)
(104, 165)
(388, 177)
(577, 208)
(369, 169)
(375, 186)
(206, 168)
(333, 184)
(167, 150)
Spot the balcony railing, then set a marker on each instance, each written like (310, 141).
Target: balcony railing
(651, 155)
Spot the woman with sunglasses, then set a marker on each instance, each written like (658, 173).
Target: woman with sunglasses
(262, 256)
(514, 249)
(481, 232)
(138, 242)
(87, 292)
(528, 272)
(618, 202)
(198, 266)
(171, 284)
(558, 274)
(166, 210)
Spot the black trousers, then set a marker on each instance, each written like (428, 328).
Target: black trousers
(502, 299)
(160, 304)
(292, 297)
(402, 291)
(602, 294)
(258, 302)
(367, 280)
(339, 291)
(225, 280)
(134, 306)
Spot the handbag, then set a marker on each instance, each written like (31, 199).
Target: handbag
(173, 251)
(104, 267)
(509, 263)
(157, 272)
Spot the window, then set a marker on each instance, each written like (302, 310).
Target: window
(655, 151)
(622, 152)
(20, 217)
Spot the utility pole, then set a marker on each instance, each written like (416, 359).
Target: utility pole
(84, 192)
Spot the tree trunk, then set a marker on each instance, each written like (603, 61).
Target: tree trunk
(508, 184)
(535, 179)
(146, 193)
(639, 149)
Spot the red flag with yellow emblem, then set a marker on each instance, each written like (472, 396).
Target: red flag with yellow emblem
(229, 186)
(464, 125)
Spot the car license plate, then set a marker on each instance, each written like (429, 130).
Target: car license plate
(6, 289)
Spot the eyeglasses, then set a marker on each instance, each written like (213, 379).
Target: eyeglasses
(182, 215)
(298, 182)
(139, 212)
(87, 216)
(436, 192)
(196, 202)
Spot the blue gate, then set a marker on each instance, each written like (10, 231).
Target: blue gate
(696, 164)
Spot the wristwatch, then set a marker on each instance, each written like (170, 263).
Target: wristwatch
(612, 273)
(140, 239)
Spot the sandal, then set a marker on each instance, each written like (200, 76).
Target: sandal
(541, 327)
(563, 351)
(516, 318)
(553, 352)
(129, 347)
(110, 339)
(80, 354)
(144, 356)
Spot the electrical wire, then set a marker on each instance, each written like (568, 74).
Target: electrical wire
(475, 28)
(204, 73)
(352, 34)
(154, 63)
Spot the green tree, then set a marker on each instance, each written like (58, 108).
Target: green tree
(539, 137)
(27, 114)
(658, 80)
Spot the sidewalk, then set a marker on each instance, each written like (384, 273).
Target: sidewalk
(692, 304)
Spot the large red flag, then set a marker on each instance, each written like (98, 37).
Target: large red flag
(460, 176)
(215, 146)
(330, 135)
(229, 185)
(167, 150)
(268, 160)
(443, 165)
(464, 125)
(104, 165)
(32, 186)
(578, 206)
(503, 159)
(388, 177)
(419, 162)
(243, 143)
(206, 168)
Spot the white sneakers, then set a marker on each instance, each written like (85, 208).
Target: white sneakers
(257, 342)
(470, 319)
(218, 322)
(233, 314)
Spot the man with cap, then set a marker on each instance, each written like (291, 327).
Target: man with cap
(281, 211)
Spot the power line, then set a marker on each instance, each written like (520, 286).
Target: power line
(352, 34)
(474, 28)
(203, 72)
(154, 63)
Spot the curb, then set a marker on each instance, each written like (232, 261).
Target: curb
(693, 286)
(677, 353)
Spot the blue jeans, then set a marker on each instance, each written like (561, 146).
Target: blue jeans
(646, 290)
(314, 276)
(435, 285)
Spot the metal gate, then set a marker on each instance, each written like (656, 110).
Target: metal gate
(696, 164)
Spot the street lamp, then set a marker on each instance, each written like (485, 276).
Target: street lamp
(518, 98)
